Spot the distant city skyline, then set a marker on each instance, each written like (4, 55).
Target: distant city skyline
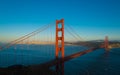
(91, 19)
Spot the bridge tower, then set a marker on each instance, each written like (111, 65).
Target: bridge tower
(59, 38)
(60, 45)
(106, 43)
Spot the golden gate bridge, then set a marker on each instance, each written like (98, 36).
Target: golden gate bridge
(46, 35)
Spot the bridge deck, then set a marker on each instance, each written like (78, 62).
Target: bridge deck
(60, 60)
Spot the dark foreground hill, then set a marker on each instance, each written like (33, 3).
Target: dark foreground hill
(23, 70)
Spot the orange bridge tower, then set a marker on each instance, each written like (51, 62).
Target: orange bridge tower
(59, 38)
(106, 43)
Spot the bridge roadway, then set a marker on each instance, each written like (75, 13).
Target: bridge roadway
(60, 60)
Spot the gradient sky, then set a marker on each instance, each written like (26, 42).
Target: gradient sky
(92, 19)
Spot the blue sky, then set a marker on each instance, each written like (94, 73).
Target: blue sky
(92, 19)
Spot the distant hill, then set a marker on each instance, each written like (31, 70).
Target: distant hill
(95, 43)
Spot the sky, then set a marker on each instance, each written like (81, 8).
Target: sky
(91, 19)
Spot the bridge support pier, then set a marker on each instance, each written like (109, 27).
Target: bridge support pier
(60, 68)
